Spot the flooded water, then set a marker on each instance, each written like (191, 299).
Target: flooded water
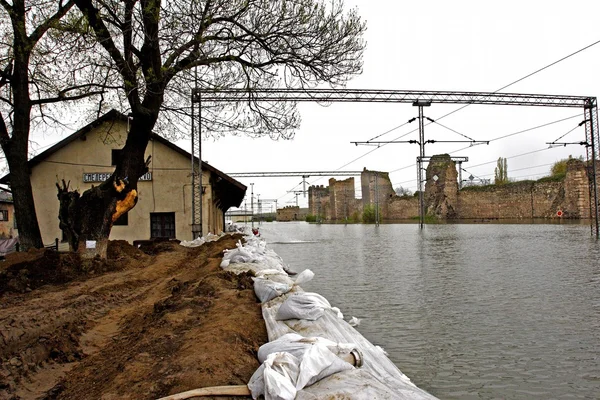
(466, 311)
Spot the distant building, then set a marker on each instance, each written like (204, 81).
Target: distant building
(164, 208)
(8, 224)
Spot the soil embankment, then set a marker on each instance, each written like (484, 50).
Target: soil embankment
(140, 325)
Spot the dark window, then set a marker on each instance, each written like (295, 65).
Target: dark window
(122, 220)
(115, 156)
(3, 215)
(162, 225)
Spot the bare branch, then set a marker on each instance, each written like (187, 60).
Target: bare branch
(50, 22)
(65, 98)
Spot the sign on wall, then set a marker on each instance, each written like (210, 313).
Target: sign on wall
(92, 177)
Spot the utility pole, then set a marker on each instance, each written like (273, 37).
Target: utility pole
(376, 199)
(252, 204)
(259, 208)
(421, 104)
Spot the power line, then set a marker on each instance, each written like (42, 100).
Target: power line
(466, 105)
(498, 90)
(502, 137)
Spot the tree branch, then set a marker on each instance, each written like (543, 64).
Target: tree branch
(60, 98)
(4, 136)
(37, 34)
(105, 40)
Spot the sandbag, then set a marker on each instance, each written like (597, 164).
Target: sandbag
(304, 305)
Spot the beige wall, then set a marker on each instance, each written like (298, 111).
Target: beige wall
(7, 228)
(168, 191)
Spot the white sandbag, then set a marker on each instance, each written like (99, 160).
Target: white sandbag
(276, 377)
(193, 243)
(319, 362)
(316, 359)
(297, 345)
(266, 289)
(303, 305)
(304, 276)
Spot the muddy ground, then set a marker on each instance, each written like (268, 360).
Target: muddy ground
(140, 325)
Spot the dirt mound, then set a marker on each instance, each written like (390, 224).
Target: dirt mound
(176, 324)
(30, 270)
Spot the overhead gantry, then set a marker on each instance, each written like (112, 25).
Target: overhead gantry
(418, 98)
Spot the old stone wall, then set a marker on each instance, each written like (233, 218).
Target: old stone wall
(342, 199)
(377, 190)
(441, 187)
(527, 199)
(318, 200)
(516, 200)
(406, 207)
(289, 213)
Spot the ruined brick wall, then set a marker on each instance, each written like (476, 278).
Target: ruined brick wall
(405, 207)
(289, 213)
(513, 201)
(318, 198)
(517, 200)
(441, 188)
(577, 194)
(341, 199)
(376, 188)
(523, 200)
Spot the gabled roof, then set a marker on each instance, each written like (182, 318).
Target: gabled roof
(5, 197)
(231, 191)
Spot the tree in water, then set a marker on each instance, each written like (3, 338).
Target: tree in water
(501, 172)
(160, 50)
(34, 59)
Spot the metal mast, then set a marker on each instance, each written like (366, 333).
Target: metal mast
(591, 132)
(197, 168)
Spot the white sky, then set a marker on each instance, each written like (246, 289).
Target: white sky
(439, 45)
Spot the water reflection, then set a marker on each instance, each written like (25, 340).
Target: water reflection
(466, 311)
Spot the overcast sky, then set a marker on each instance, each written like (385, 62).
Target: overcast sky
(439, 45)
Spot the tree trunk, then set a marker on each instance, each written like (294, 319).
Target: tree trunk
(15, 147)
(87, 219)
(20, 183)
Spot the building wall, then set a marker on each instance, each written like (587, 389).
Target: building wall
(318, 198)
(289, 213)
(168, 191)
(342, 197)
(7, 226)
(406, 207)
(441, 187)
(443, 200)
(527, 199)
(377, 190)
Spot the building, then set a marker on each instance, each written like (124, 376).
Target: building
(8, 226)
(164, 207)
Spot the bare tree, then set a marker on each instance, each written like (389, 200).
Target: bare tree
(162, 49)
(402, 191)
(33, 78)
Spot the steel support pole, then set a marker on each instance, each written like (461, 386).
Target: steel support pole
(252, 204)
(420, 167)
(200, 188)
(591, 128)
(193, 146)
(196, 168)
(376, 199)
